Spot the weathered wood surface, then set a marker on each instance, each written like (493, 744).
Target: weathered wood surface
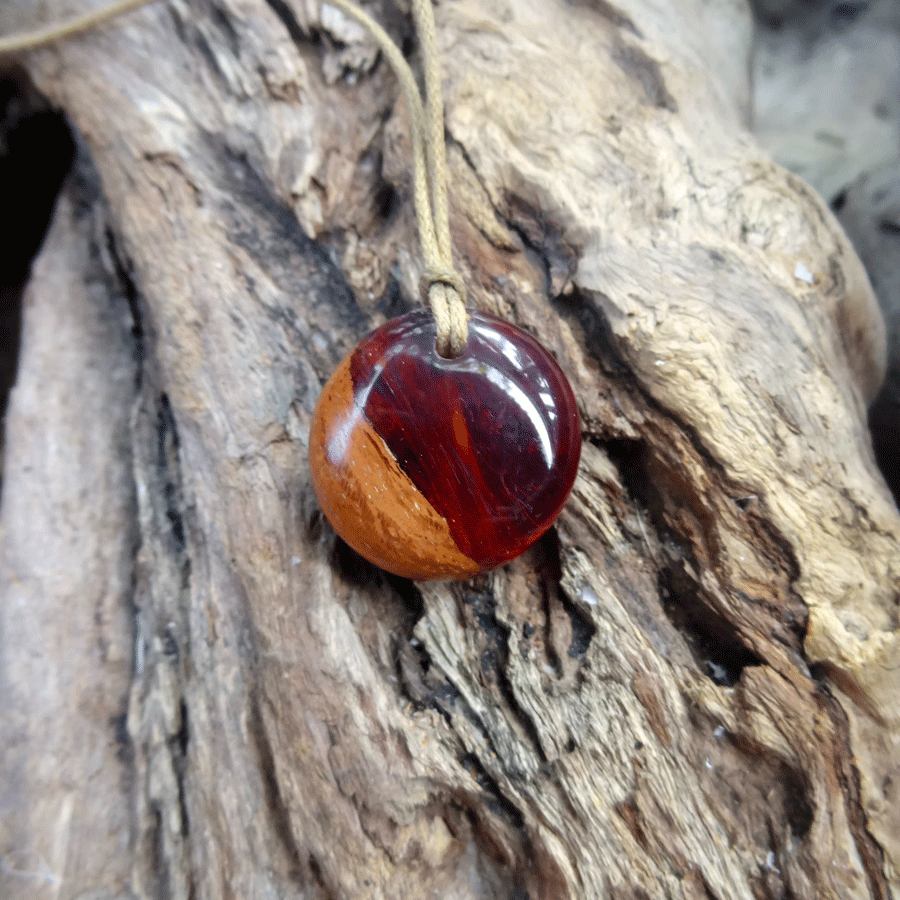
(688, 689)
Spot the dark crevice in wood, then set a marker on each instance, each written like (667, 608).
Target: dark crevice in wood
(122, 272)
(612, 14)
(356, 570)
(646, 72)
(169, 466)
(884, 425)
(839, 201)
(315, 870)
(629, 813)
(410, 596)
(389, 17)
(585, 311)
(162, 590)
(178, 746)
(223, 22)
(267, 229)
(36, 153)
(392, 303)
(277, 809)
(548, 571)
(543, 240)
(583, 630)
(313, 518)
(654, 482)
(498, 802)
(495, 660)
(426, 687)
(799, 812)
(289, 20)
(158, 863)
(548, 566)
(870, 851)
(846, 13)
(712, 639)
(629, 456)
(387, 201)
(124, 750)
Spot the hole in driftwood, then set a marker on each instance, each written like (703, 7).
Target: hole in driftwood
(356, 569)
(712, 639)
(839, 201)
(797, 807)
(387, 201)
(630, 459)
(884, 425)
(546, 554)
(36, 153)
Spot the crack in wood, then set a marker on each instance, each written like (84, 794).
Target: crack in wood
(870, 851)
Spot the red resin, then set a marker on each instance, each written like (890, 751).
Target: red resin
(491, 439)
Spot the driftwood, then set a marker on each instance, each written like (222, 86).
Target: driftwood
(687, 689)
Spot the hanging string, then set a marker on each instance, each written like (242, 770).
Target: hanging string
(23, 41)
(442, 287)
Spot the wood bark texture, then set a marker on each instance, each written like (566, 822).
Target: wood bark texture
(687, 689)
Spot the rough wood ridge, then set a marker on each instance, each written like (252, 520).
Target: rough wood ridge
(688, 690)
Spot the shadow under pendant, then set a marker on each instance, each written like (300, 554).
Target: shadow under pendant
(442, 468)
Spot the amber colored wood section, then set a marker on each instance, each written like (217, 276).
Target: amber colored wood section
(687, 689)
(368, 499)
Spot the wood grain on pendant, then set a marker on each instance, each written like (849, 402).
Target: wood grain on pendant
(369, 500)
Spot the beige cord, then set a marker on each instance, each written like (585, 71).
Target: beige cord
(23, 41)
(446, 292)
(441, 284)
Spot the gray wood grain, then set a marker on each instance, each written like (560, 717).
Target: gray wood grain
(688, 688)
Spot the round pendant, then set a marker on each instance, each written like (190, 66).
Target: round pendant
(441, 468)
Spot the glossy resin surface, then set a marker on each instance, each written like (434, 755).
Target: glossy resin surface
(440, 468)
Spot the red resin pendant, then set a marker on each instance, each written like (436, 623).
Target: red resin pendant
(441, 468)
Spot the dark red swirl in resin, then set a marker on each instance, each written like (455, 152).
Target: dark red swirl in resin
(491, 439)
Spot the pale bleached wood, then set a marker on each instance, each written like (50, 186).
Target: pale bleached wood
(688, 689)
(68, 530)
